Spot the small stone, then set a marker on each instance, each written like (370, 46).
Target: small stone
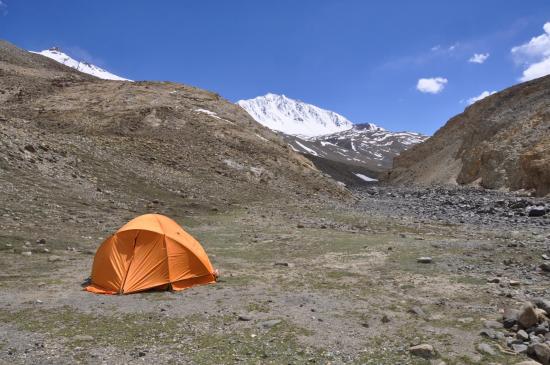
(536, 211)
(83, 338)
(493, 280)
(527, 316)
(41, 241)
(529, 362)
(425, 351)
(26, 253)
(514, 283)
(285, 264)
(519, 348)
(545, 266)
(417, 311)
(30, 148)
(245, 317)
(270, 323)
(522, 335)
(492, 324)
(486, 349)
(385, 319)
(424, 260)
(487, 332)
(54, 258)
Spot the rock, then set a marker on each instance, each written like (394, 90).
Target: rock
(30, 148)
(489, 333)
(83, 338)
(522, 335)
(542, 304)
(542, 352)
(286, 264)
(425, 351)
(492, 324)
(385, 319)
(424, 260)
(493, 280)
(417, 311)
(54, 258)
(41, 241)
(541, 314)
(270, 323)
(529, 362)
(527, 316)
(26, 253)
(245, 317)
(545, 266)
(485, 348)
(536, 211)
(519, 348)
(514, 283)
(509, 317)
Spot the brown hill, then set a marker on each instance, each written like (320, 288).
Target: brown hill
(69, 141)
(500, 142)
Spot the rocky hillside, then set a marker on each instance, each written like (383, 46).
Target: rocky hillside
(69, 140)
(500, 142)
(366, 145)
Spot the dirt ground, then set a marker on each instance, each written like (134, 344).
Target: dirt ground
(322, 284)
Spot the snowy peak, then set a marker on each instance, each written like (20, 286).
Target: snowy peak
(57, 55)
(294, 117)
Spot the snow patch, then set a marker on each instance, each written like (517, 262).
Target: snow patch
(309, 150)
(85, 67)
(364, 177)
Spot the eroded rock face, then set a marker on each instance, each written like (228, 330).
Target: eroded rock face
(502, 141)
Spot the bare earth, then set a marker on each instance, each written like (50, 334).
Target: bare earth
(322, 283)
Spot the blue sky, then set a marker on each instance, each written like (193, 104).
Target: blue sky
(362, 59)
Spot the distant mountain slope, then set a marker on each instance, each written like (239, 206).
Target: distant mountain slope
(294, 117)
(364, 145)
(57, 55)
(502, 141)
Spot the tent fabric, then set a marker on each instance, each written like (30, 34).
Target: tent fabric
(150, 251)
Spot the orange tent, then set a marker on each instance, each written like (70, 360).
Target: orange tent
(150, 251)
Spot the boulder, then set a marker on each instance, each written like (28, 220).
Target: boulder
(527, 316)
(542, 304)
(542, 352)
(509, 317)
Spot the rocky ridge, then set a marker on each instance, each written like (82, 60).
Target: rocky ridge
(500, 142)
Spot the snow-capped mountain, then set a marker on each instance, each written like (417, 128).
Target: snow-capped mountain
(294, 117)
(348, 152)
(364, 144)
(57, 55)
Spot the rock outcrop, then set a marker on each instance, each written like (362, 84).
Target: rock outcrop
(500, 142)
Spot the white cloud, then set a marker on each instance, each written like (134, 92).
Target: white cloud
(483, 95)
(479, 58)
(434, 85)
(535, 55)
(3, 8)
